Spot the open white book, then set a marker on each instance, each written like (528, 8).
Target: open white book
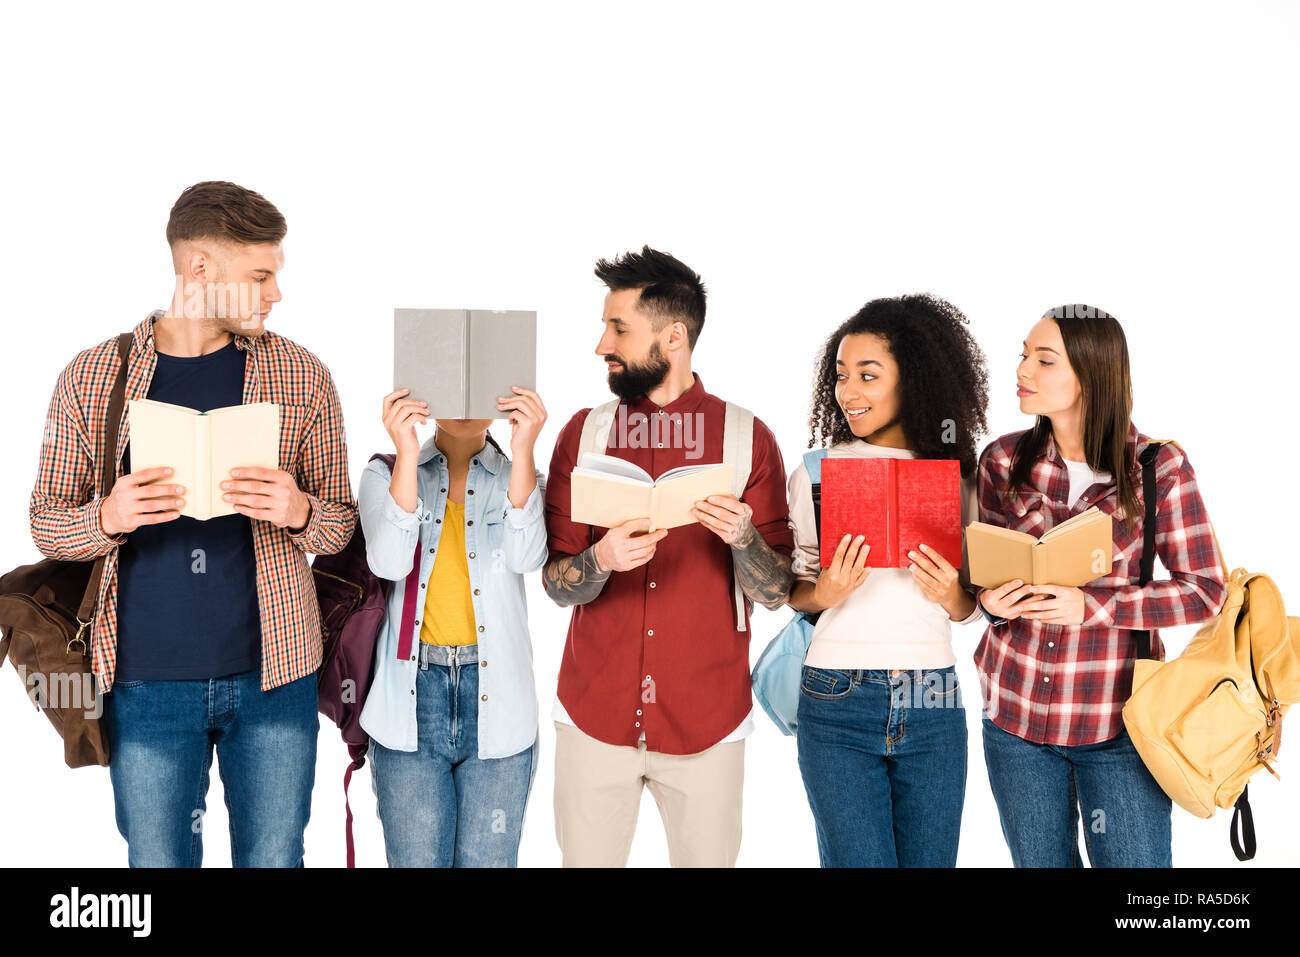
(202, 447)
(606, 491)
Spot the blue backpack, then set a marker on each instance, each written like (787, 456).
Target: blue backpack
(779, 669)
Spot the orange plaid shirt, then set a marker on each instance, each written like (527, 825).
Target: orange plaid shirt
(65, 502)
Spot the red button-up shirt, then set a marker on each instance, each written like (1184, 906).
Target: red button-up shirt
(65, 502)
(1067, 684)
(657, 651)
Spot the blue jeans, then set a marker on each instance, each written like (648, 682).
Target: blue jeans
(883, 758)
(1041, 789)
(160, 738)
(441, 805)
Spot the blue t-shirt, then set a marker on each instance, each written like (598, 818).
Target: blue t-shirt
(187, 590)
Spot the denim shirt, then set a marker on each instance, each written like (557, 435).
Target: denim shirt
(502, 543)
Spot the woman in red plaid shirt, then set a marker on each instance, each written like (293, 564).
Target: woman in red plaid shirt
(1057, 665)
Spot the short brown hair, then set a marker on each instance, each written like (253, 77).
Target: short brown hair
(220, 210)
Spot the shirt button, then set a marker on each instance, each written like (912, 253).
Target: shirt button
(638, 724)
(431, 551)
(484, 698)
(417, 621)
(1045, 679)
(471, 554)
(438, 520)
(480, 627)
(476, 591)
(476, 461)
(650, 632)
(470, 522)
(652, 584)
(442, 490)
(412, 657)
(470, 491)
(647, 677)
(1051, 644)
(482, 664)
(421, 584)
(412, 691)
(661, 445)
(638, 712)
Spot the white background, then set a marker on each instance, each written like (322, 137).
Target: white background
(1007, 156)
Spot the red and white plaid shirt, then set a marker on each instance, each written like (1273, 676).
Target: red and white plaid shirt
(65, 502)
(1067, 684)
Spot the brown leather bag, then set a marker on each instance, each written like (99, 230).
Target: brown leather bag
(47, 641)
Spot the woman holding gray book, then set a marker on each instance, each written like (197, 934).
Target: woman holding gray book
(880, 723)
(1057, 660)
(452, 710)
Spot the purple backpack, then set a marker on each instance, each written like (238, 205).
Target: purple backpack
(353, 601)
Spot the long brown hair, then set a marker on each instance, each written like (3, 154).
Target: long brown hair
(1098, 353)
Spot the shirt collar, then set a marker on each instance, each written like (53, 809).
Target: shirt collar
(144, 337)
(488, 456)
(688, 401)
(1131, 450)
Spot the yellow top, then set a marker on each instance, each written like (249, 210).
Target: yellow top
(448, 612)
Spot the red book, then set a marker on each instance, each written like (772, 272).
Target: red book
(897, 504)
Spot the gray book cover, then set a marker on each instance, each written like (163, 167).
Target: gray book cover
(460, 360)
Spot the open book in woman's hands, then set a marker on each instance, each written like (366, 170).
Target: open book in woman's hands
(1073, 553)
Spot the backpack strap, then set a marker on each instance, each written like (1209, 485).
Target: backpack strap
(596, 428)
(812, 463)
(405, 636)
(738, 444)
(738, 451)
(1148, 460)
(1243, 847)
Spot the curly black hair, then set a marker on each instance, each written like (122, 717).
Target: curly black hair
(943, 378)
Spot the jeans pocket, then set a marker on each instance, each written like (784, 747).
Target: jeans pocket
(825, 684)
(939, 689)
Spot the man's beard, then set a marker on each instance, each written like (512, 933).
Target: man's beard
(638, 379)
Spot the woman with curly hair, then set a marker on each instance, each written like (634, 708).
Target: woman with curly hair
(881, 727)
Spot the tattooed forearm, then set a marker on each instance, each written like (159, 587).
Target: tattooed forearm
(575, 580)
(765, 574)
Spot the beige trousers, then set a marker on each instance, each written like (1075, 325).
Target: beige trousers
(598, 793)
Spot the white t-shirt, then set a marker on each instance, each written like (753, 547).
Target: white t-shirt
(1082, 478)
(888, 622)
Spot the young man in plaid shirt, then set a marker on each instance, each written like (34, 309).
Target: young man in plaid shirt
(207, 633)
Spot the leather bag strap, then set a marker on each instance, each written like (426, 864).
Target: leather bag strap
(108, 472)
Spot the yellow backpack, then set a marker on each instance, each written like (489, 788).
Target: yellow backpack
(1206, 721)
